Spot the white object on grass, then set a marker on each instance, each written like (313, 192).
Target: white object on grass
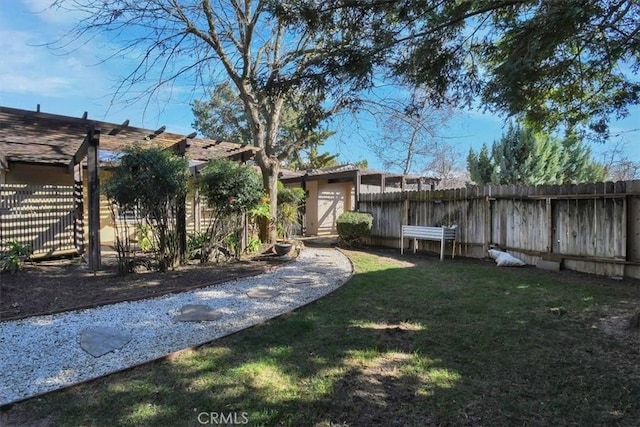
(506, 260)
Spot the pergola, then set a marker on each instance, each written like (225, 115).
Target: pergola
(43, 138)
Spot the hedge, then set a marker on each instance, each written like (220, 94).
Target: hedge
(352, 226)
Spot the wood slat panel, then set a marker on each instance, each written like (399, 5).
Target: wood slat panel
(42, 217)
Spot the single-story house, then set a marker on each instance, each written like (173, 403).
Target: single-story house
(51, 167)
(332, 191)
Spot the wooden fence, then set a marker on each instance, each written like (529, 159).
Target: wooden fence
(40, 216)
(592, 228)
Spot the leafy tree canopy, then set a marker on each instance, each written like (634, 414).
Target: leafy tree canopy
(223, 116)
(148, 178)
(268, 61)
(229, 186)
(569, 63)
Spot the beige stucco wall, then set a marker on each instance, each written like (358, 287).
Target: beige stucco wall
(23, 173)
(312, 208)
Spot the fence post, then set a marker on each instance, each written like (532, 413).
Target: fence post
(405, 214)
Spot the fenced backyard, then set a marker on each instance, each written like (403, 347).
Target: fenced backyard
(593, 228)
(43, 217)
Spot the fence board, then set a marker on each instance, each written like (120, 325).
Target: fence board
(586, 223)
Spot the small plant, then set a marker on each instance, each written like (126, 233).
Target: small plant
(287, 219)
(253, 244)
(12, 259)
(353, 226)
(195, 242)
(144, 235)
(289, 201)
(232, 244)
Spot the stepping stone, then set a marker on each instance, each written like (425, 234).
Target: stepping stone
(298, 280)
(197, 313)
(262, 293)
(99, 341)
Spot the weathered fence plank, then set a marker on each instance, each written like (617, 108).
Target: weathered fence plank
(586, 224)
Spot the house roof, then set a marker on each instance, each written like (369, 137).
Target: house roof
(36, 137)
(345, 172)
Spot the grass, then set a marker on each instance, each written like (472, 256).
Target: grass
(421, 344)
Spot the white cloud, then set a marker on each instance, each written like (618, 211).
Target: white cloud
(31, 69)
(53, 15)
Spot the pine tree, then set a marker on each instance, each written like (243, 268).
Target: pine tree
(511, 154)
(526, 157)
(485, 165)
(472, 165)
(578, 163)
(480, 166)
(545, 161)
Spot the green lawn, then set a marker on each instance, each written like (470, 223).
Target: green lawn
(453, 343)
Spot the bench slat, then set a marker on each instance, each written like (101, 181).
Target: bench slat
(428, 233)
(440, 234)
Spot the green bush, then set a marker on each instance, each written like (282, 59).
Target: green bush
(11, 260)
(353, 226)
(152, 180)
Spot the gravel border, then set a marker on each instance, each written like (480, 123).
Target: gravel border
(42, 353)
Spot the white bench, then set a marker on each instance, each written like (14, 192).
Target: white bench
(419, 232)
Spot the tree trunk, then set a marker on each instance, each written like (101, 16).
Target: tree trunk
(270, 179)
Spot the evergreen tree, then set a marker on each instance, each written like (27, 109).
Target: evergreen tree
(485, 165)
(480, 166)
(545, 161)
(472, 165)
(511, 155)
(526, 157)
(578, 165)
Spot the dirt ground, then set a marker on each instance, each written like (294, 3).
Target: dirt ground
(52, 286)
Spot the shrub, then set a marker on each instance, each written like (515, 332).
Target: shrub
(229, 189)
(11, 260)
(253, 244)
(289, 201)
(353, 226)
(154, 181)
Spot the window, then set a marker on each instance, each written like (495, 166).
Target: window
(130, 215)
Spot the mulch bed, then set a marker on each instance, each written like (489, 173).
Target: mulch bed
(47, 287)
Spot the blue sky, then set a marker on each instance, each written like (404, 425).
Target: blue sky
(31, 74)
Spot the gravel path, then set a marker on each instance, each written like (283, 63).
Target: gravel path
(43, 353)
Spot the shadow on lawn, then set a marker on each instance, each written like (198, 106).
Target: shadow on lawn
(431, 344)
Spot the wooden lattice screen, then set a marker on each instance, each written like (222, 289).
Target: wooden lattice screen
(40, 216)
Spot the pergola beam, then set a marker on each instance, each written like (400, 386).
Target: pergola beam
(80, 153)
(117, 130)
(157, 132)
(93, 181)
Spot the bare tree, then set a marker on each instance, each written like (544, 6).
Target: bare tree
(412, 130)
(207, 42)
(618, 166)
(445, 163)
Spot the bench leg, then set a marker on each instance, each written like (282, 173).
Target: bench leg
(441, 249)
(415, 245)
(401, 245)
(453, 249)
